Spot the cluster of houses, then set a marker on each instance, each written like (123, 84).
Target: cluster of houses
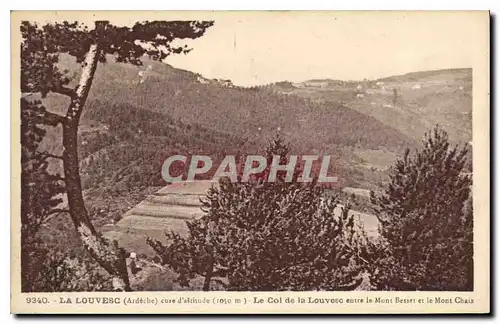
(379, 87)
(223, 82)
(143, 75)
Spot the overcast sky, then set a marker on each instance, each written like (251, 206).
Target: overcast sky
(257, 49)
(261, 47)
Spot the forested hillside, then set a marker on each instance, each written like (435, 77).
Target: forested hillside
(246, 112)
(411, 103)
(137, 116)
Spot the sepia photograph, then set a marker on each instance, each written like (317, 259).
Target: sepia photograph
(179, 159)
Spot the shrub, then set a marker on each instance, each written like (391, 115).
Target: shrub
(50, 271)
(269, 236)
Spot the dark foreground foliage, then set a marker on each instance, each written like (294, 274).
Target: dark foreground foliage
(269, 236)
(290, 236)
(282, 235)
(43, 269)
(40, 50)
(427, 221)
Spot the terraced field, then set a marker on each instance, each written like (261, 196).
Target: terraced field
(168, 210)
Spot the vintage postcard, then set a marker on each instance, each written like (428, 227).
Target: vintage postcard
(250, 162)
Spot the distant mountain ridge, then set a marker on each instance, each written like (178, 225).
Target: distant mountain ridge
(422, 75)
(412, 103)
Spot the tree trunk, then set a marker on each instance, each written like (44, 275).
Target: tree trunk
(208, 274)
(109, 256)
(208, 278)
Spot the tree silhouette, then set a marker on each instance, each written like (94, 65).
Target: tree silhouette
(395, 97)
(269, 236)
(39, 189)
(426, 218)
(41, 47)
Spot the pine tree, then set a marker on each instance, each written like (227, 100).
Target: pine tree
(269, 236)
(426, 219)
(41, 48)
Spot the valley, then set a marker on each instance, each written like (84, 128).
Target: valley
(136, 117)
